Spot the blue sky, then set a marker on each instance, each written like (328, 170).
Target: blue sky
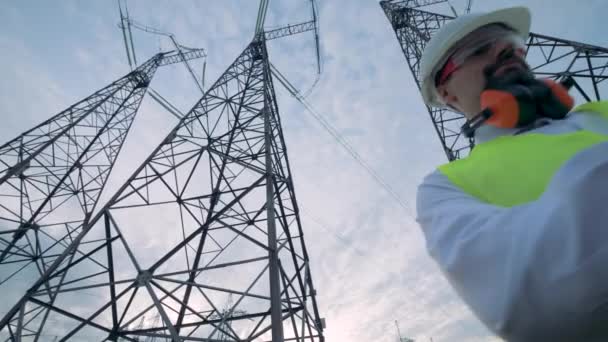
(369, 262)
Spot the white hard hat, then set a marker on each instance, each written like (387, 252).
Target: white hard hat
(517, 18)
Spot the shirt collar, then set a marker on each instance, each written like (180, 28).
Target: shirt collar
(486, 133)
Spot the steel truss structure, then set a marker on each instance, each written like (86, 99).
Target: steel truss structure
(549, 57)
(53, 174)
(290, 30)
(211, 213)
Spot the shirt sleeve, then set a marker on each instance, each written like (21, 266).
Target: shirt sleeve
(537, 271)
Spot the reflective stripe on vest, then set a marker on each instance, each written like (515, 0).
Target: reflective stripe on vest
(516, 169)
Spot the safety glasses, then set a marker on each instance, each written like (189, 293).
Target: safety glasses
(476, 45)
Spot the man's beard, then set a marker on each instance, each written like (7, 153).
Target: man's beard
(517, 73)
(535, 97)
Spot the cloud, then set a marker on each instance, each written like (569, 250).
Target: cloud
(368, 258)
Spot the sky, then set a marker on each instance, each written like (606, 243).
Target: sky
(369, 262)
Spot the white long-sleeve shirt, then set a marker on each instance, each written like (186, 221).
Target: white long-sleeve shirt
(536, 271)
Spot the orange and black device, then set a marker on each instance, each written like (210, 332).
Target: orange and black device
(520, 104)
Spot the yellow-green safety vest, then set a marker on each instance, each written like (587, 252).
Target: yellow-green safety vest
(516, 169)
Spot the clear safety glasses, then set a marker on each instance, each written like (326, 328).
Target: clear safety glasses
(478, 44)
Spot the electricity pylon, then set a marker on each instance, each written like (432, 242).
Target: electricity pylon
(211, 213)
(52, 175)
(549, 57)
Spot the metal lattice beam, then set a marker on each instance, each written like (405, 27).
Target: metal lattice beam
(289, 30)
(555, 58)
(548, 56)
(53, 174)
(219, 192)
(173, 57)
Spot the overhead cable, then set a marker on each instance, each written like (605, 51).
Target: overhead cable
(339, 138)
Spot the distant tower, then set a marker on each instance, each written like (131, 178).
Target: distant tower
(399, 337)
(549, 57)
(218, 190)
(156, 323)
(140, 326)
(224, 328)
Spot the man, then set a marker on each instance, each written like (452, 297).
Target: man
(520, 226)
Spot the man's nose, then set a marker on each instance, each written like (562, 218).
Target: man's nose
(505, 50)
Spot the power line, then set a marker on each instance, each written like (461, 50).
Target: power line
(263, 9)
(165, 103)
(340, 139)
(345, 144)
(126, 22)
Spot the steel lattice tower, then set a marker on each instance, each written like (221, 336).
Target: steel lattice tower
(219, 192)
(53, 174)
(548, 57)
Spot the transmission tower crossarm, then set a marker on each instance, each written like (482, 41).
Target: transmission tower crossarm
(411, 3)
(175, 56)
(178, 54)
(290, 30)
(554, 42)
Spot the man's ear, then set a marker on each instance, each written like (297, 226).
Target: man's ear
(447, 97)
(450, 100)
